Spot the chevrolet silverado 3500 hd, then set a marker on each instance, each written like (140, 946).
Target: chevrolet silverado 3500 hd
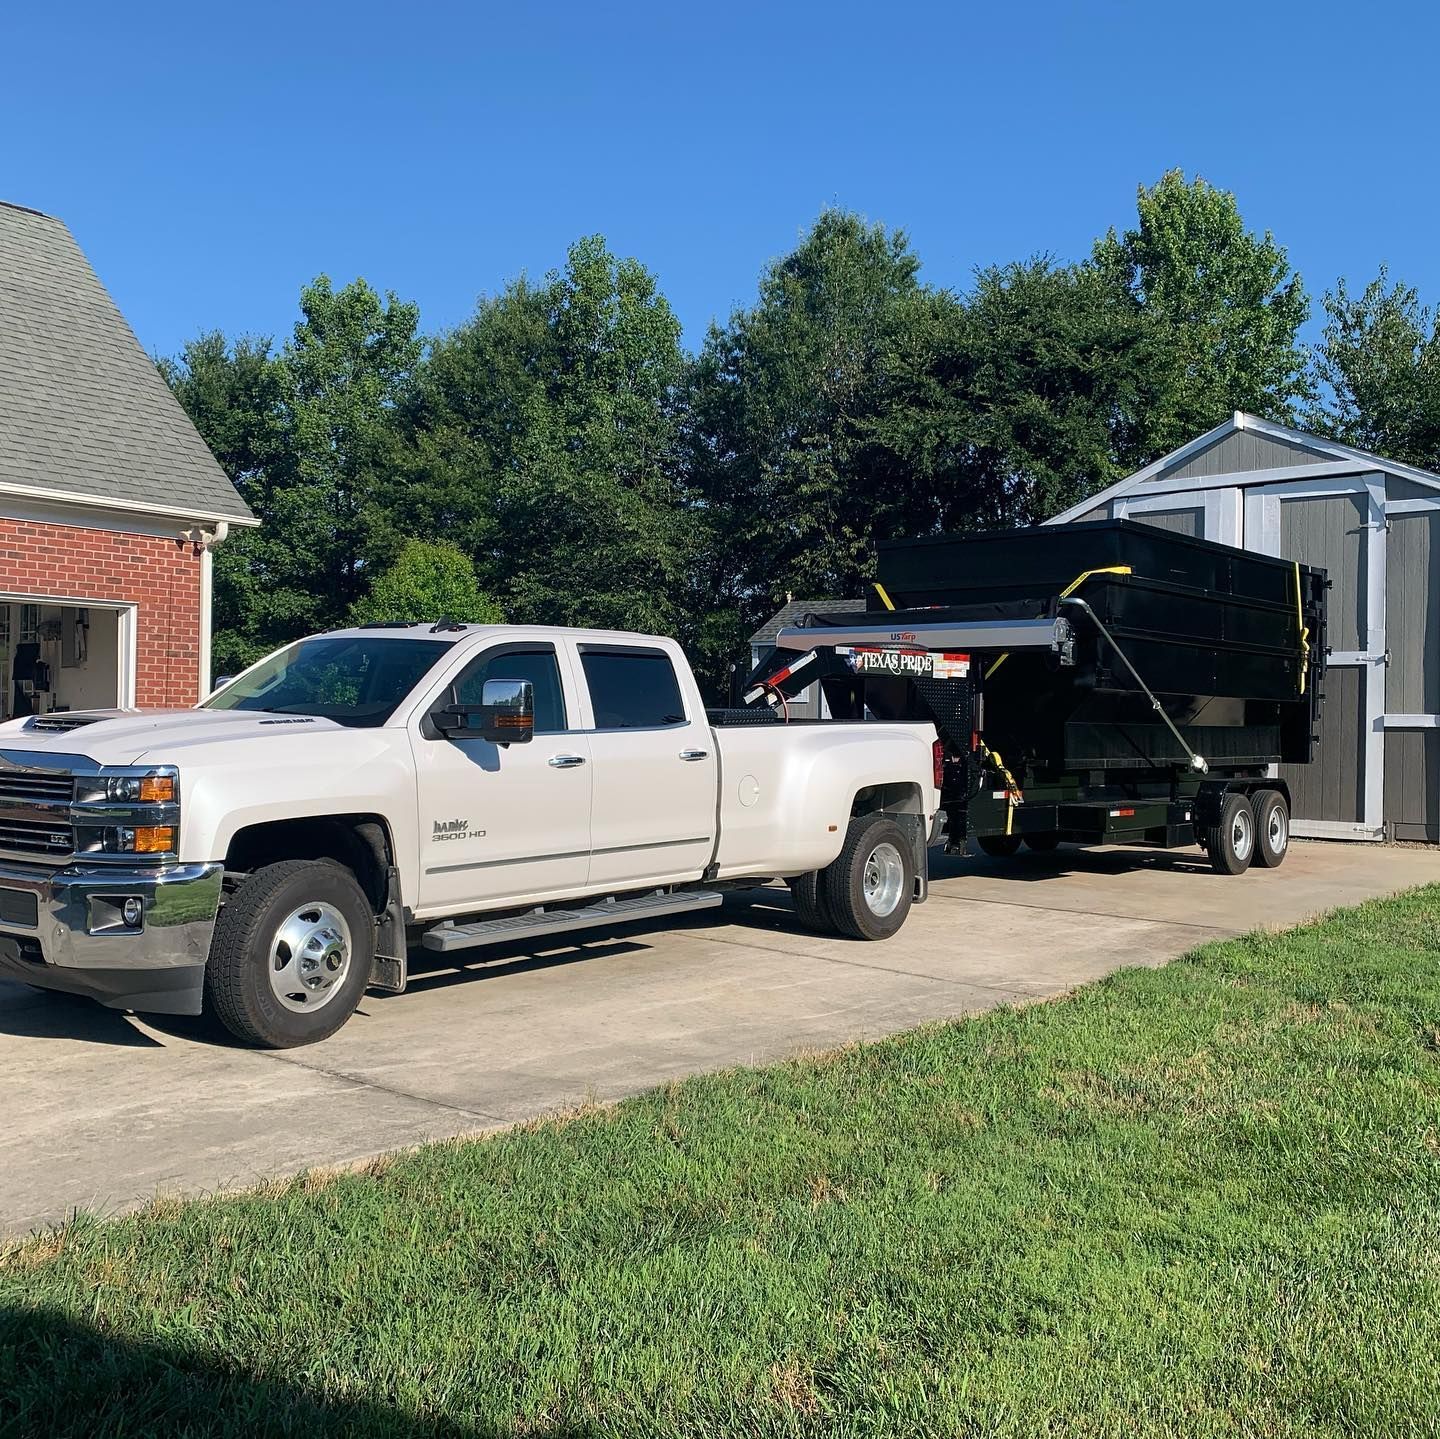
(270, 854)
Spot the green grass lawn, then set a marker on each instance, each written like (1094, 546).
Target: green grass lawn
(1199, 1200)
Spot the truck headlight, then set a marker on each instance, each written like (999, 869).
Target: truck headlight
(143, 839)
(147, 789)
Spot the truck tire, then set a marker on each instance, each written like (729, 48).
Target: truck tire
(1042, 843)
(291, 954)
(1272, 827)
(868, 890)
(999, 846)
(1231, 843)
(807, 893)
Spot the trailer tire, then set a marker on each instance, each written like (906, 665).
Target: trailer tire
(1042, 843)
(999, 846)
(1231, 843)
(1272, 827)
(314, 904)
(807, 894)
(868, 890)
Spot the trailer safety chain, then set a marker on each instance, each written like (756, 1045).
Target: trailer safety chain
(1197, 762)
(1065, 595)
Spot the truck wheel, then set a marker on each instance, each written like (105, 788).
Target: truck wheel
(1231, 843)
(1042, 843)
(291, 954)
(807, 893)
(999, 846)
(868, 890)
(1272, 827)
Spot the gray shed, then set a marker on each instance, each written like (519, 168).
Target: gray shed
(1374, 524)
(810, 703)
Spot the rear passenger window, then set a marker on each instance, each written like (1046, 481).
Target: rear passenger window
(632, 689)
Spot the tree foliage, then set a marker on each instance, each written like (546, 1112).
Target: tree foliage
(1378, 372)
(561, 453)
(544, 443)
(429, 580)
(308, 437)
(1224, 304)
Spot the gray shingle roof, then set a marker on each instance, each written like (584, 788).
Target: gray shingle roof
(793, 611)
(83, 409)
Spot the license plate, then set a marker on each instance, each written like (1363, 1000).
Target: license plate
(909, 664)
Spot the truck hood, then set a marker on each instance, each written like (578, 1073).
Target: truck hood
(125, 736)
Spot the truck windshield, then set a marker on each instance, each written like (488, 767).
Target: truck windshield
(356, 680)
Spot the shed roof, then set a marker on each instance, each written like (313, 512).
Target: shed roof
(1298, 448)
(793, 611)
(84, 414)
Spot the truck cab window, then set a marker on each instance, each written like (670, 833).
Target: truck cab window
(632, 689)
(540, 667)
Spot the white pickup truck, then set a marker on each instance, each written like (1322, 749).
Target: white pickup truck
(272, 853)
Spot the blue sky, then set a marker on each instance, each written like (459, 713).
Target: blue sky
(212, 159)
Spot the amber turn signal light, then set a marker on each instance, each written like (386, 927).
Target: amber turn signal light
(154, 838)
(157, 787)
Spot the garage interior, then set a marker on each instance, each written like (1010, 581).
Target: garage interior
(56, 657)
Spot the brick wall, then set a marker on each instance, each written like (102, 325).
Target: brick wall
(161, 578)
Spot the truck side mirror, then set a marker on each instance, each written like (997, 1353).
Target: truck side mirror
(220, 682)
(505, 714)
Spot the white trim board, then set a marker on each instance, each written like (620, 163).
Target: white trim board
(108, 505)
(1403, 721)
(1341, 458)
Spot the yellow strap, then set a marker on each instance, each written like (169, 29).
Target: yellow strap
(884, 598)
(1304, 628)
(1075, 585)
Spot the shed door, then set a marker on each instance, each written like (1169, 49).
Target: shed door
(1412, 684)
(1338, 525)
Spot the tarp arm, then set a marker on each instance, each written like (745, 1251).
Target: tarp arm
(1197, 762)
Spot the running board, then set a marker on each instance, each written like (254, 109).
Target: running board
(535, 922)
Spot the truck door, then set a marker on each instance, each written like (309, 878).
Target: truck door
(507, 822)
(654, 766)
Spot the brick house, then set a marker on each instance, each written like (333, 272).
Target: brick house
(109, 500)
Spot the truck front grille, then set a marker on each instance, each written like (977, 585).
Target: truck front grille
(27, 787)
(26, 836)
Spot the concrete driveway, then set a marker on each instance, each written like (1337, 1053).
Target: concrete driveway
(103, 1110)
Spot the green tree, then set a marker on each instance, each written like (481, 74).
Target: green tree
(543, 441)
(1377, 372)
(1224, 305)
(1006, 405)
(308, 436)
(428, 580)
(782, 416)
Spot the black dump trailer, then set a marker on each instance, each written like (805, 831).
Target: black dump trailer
(1109, 683)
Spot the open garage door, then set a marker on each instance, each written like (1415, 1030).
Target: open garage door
(59, 655)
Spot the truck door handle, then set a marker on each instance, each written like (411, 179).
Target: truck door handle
(694, 754)
(565, 761)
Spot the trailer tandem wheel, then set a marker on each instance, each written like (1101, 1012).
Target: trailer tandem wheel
(1272, 827)
(1231, 843)
(999, 846)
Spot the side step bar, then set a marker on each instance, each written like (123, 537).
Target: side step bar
(659, 904)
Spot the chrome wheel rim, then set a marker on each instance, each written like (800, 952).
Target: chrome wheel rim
(884, 880)
(1277, 829)
(1242, 833)
(309, 957)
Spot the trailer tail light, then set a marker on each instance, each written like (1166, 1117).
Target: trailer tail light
(937, 761)
(1121, 813)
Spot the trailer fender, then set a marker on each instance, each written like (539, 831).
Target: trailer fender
(1210, 798)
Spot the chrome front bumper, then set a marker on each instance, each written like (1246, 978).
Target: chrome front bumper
(78, 941)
